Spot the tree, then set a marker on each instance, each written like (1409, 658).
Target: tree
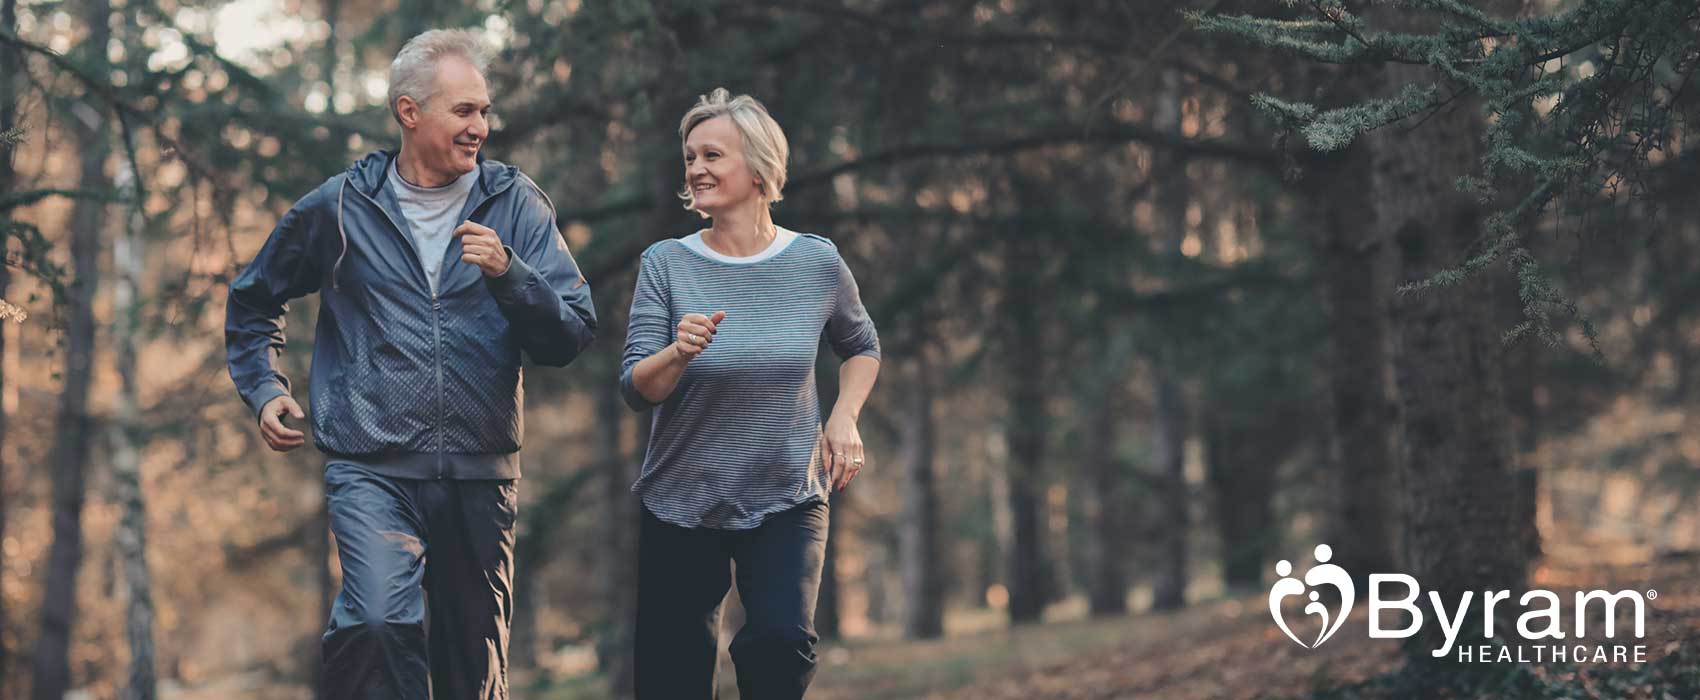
(128, 440)
(1170, 422)
(1103, 481)
(918, 534)
(10, 135)
(1027, 428)
(70, 452)
(1357, 281)
(1578, 100)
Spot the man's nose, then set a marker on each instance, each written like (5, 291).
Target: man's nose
(480, 126)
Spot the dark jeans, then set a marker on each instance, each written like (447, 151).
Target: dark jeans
(684, 573)
(399, 539)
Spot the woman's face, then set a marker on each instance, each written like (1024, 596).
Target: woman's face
(715, 170)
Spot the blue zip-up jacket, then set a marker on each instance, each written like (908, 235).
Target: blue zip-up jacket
(404, 382)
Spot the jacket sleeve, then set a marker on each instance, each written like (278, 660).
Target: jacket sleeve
(544, 297)
(286, 268)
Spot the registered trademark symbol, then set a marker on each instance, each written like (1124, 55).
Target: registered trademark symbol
(1652, 594)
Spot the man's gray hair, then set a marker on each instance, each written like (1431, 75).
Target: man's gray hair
(414, 71)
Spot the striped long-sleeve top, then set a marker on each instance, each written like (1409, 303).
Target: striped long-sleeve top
(735, 441)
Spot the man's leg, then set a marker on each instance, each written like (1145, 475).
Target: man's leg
(779, 570)
(683, 575)
(470, 582)
(374, 645)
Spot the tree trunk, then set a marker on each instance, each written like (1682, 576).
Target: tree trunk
(9, 92)
(1025, 354)
(1170, 423)
(918, 536)
(128, 440)
(1169, 451)
(1356, 281)
(1240, 464)
(316, 541)
(1459, 486)
(321, 549)
(619, 544)
(827, 602)
(1104, 492)
(52, 670)
(332, 9)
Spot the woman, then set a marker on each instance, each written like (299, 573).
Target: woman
(739, 468)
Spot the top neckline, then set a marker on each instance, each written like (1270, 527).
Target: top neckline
(782, 239)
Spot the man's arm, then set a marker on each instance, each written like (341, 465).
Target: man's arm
(544, 297)
(285, 268)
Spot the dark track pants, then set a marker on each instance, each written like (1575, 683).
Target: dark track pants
(684, 573)
(399, 539)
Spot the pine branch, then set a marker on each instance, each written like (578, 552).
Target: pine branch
(26, 198)
(109, 95)
(1060, 135)
(1335, 129)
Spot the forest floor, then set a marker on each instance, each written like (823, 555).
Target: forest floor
(1229, 648)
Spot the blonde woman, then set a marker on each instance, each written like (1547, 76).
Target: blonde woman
(725, 325)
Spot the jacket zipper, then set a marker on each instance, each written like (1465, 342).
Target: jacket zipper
(437, 338)
(436, 320)
(436, 333)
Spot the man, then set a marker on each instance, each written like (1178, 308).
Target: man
(435, 269)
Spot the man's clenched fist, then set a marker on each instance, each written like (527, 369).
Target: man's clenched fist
(480, 246)
(278, 436)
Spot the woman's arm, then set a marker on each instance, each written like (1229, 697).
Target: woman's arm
(841, 441)
(655, 377)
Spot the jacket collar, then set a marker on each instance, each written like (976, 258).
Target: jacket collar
(369, 173)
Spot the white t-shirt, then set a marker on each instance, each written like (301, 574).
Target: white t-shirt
(781, 239)
(432, 216)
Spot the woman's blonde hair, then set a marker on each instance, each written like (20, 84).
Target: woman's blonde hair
(765, 147)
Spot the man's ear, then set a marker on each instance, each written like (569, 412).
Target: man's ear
(408, 111)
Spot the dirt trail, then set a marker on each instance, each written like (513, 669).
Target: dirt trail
(1230, 649)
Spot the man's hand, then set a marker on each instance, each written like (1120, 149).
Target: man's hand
(481, 246)
(280, 437)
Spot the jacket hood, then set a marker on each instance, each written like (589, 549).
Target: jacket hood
(368, 174)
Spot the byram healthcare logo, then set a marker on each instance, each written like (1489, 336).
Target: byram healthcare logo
(1542, 618)
(1323, 574)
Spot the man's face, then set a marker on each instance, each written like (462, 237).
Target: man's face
(454, 122)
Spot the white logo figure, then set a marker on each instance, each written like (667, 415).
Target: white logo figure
(1322, 574)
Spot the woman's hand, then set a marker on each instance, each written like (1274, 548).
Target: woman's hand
(840, 447)
(696, 331)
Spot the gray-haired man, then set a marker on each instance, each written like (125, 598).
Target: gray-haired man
(435, 269)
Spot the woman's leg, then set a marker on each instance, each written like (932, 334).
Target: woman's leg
(779, 565)
(683, 574)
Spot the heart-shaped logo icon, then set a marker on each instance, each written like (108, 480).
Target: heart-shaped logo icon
(1323, 574)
